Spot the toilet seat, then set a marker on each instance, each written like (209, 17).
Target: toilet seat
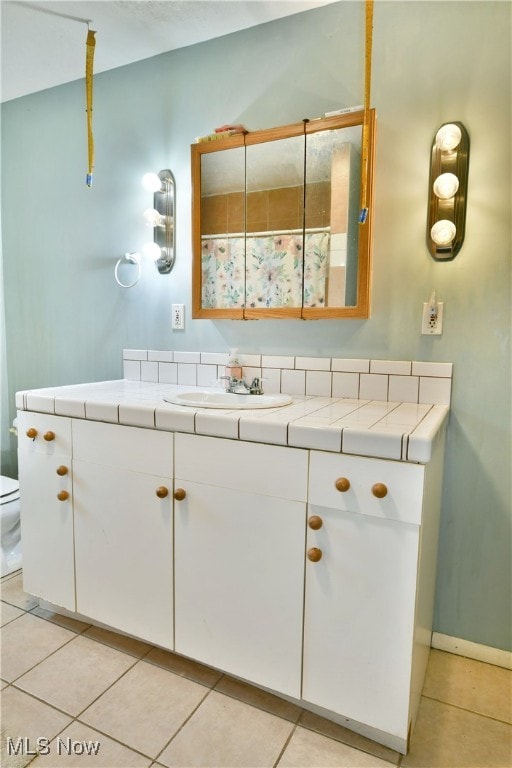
(10, 549)
(9, 489)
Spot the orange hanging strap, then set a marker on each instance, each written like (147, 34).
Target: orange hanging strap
(89, 61)
(366, 120)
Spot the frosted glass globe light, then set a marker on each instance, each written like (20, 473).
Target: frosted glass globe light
(446, 185)
(152, 182)
(448, 137)
(443, 232)
(152, 251)
(153, 218)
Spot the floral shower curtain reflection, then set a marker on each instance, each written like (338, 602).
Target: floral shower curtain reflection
(265, 269)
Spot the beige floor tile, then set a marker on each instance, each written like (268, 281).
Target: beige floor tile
(12, 592)
(258, 698)
(8, 613)
(27, 641)
(77, 674)
(448, 737)
(225, 732)
(69, 750)
(58, 618)
(145, 708)
(184, 667)
(24, 717)
(470, 684)
(307, 749)
(334, 731)
(120, 642)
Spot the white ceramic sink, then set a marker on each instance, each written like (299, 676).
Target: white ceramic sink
(202, 398)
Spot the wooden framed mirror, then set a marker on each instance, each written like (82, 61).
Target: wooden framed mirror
(275, 222)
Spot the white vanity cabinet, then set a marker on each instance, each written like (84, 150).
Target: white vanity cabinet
(307, 572)
(44, 449)
(367, 614)
(239, 557)
(123, 528)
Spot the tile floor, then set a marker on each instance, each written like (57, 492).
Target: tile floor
(76, 685)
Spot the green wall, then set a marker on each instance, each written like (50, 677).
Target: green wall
(67, 320)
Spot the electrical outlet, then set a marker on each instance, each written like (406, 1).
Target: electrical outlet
(178, 317)
(432, 319)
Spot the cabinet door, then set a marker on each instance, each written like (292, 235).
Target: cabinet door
(123, 530)
(359, 618)
(123, 550)
(239, 577)
(46, 507)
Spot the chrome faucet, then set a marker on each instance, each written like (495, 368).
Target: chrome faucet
(240, 387)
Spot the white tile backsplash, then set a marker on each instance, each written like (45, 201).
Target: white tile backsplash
(131, 369)
(318, 383)
(399, 367)
(187, 357)
(313, 363)
(187, 374)
(214, 358)
(168, 373)
(148, 371)
(393, 380)
(441, 370)
(277, 361)
(160, 356)
(404, 389)
(434, 390)
(207, 375)
(293, 382)
(271, 378)
(350, 365)
(373, 386)
(135, 354)
(345, 385)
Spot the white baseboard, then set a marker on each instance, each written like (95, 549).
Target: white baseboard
(472, 650)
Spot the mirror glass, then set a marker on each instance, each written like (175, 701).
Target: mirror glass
(276, 229)
(275, 223)
(331, 238)
(223, 229)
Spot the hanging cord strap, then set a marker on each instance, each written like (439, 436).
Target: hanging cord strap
(366, 120)
(89, 61)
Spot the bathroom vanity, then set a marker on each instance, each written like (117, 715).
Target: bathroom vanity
(305, 570)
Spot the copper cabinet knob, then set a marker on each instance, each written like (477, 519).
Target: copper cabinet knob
(62, 470)
(162, 492)
(379, 490)
(180, 494)
(49, 436)
(315, 522)
(63, 496)
(314, 554)
(32, 433)
(342, 484)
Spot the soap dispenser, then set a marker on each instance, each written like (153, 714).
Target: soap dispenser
(233, 366)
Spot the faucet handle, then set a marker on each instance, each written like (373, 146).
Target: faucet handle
(256, 386)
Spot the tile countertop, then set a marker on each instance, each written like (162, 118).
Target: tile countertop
(389, 430)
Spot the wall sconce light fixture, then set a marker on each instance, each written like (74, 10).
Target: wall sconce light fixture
(161, 218)
(448, 185)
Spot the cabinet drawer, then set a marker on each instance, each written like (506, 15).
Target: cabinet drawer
(52, 434)
(251, 467)
(140, 450)
(402, 483)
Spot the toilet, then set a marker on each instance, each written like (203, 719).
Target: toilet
(10, 525)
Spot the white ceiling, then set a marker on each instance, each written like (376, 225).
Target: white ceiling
(43, 43)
